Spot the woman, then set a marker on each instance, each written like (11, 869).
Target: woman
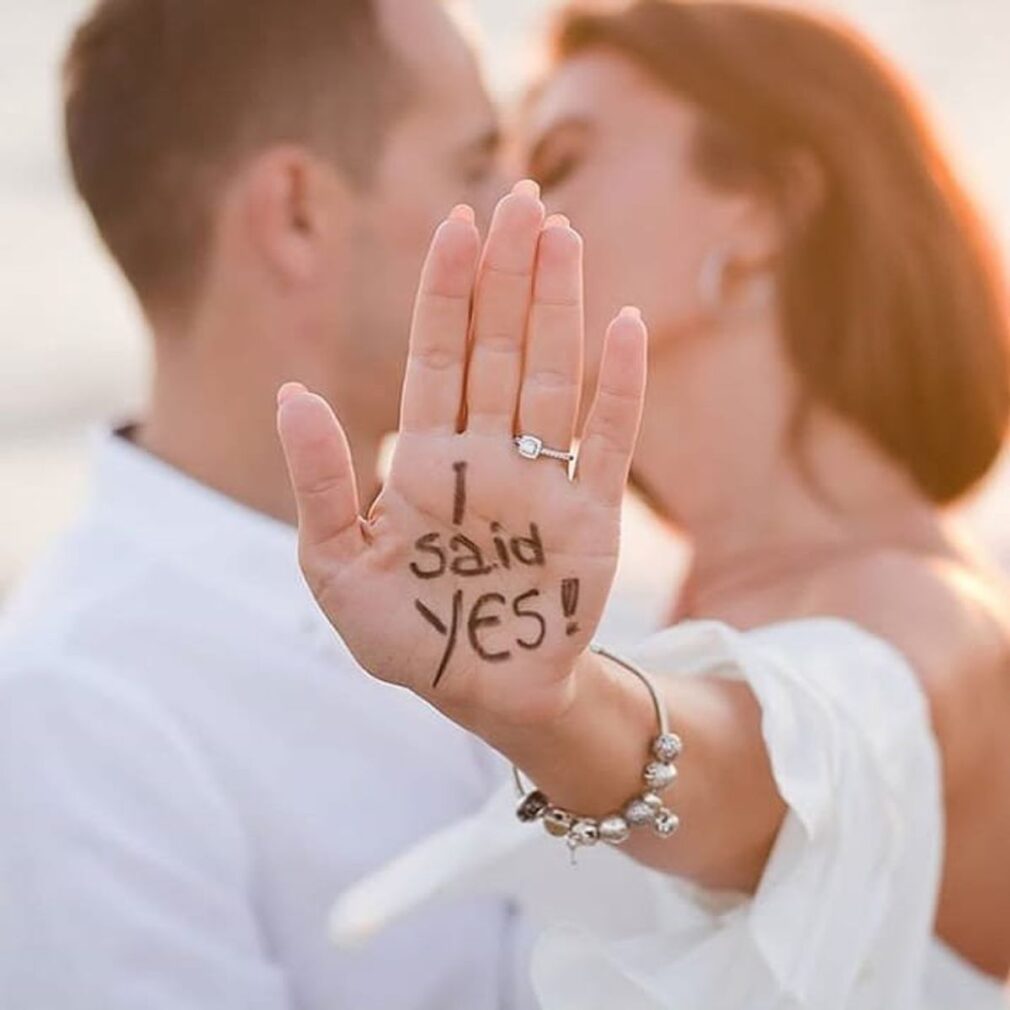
(828, 369)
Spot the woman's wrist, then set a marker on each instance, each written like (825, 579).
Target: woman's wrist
(589, 757)
(504, 722)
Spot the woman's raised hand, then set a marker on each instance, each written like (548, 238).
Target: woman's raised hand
(479, 575)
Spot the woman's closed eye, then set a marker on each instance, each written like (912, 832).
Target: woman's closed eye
(558, 156)
(554, 172)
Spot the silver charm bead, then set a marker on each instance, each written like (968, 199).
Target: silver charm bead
(639, 811)
(557, 822)
(653, 800)
(666, 823)
(658, 775)
(534, 805)
(667, 747)
(614, 829)
(584, 832)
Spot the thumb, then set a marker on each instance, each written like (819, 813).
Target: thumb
(321, 473)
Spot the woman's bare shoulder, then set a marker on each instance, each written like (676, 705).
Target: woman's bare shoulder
(926, 604)
(951, 622)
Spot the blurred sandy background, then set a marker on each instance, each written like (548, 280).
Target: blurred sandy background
(72, 349)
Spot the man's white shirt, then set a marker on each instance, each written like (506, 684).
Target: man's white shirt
(192, 768)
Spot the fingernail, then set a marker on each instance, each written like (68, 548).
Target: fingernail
(527, 187)
(462, 212)
(557, 221)
(288, 390)
(632, 312)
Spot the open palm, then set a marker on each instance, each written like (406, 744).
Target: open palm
(479, 575)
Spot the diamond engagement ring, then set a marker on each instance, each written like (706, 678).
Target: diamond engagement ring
(531, 447)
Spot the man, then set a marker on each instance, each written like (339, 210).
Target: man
(191, 767)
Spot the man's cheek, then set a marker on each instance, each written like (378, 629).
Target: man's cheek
(411, 221)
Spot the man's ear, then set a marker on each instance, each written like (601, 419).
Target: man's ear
(291, 207)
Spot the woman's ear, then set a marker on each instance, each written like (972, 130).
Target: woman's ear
(758, 235)
(767, 221)
(803, 188)
(291, 204)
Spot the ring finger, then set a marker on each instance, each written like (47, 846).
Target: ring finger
(552, 379)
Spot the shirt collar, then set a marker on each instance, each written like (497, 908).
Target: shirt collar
(218, 540)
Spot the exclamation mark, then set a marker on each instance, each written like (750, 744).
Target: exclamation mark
(570, 603)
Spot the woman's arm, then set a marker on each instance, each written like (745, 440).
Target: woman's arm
(590, 760)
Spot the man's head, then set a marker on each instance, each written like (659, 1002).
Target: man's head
(282, 163)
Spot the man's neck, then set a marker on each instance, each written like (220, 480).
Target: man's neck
(221, 432)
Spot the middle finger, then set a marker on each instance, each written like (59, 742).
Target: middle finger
(501, 311)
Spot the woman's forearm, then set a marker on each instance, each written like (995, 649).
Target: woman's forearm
(590, 760)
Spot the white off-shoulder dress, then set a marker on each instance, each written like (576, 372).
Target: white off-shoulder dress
(843, 916)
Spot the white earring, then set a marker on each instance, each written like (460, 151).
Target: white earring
(712, 278)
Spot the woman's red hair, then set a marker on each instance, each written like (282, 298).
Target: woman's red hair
(893, 309)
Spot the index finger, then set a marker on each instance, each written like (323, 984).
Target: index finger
(433, 384)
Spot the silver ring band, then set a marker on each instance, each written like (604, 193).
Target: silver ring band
(531, 447)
